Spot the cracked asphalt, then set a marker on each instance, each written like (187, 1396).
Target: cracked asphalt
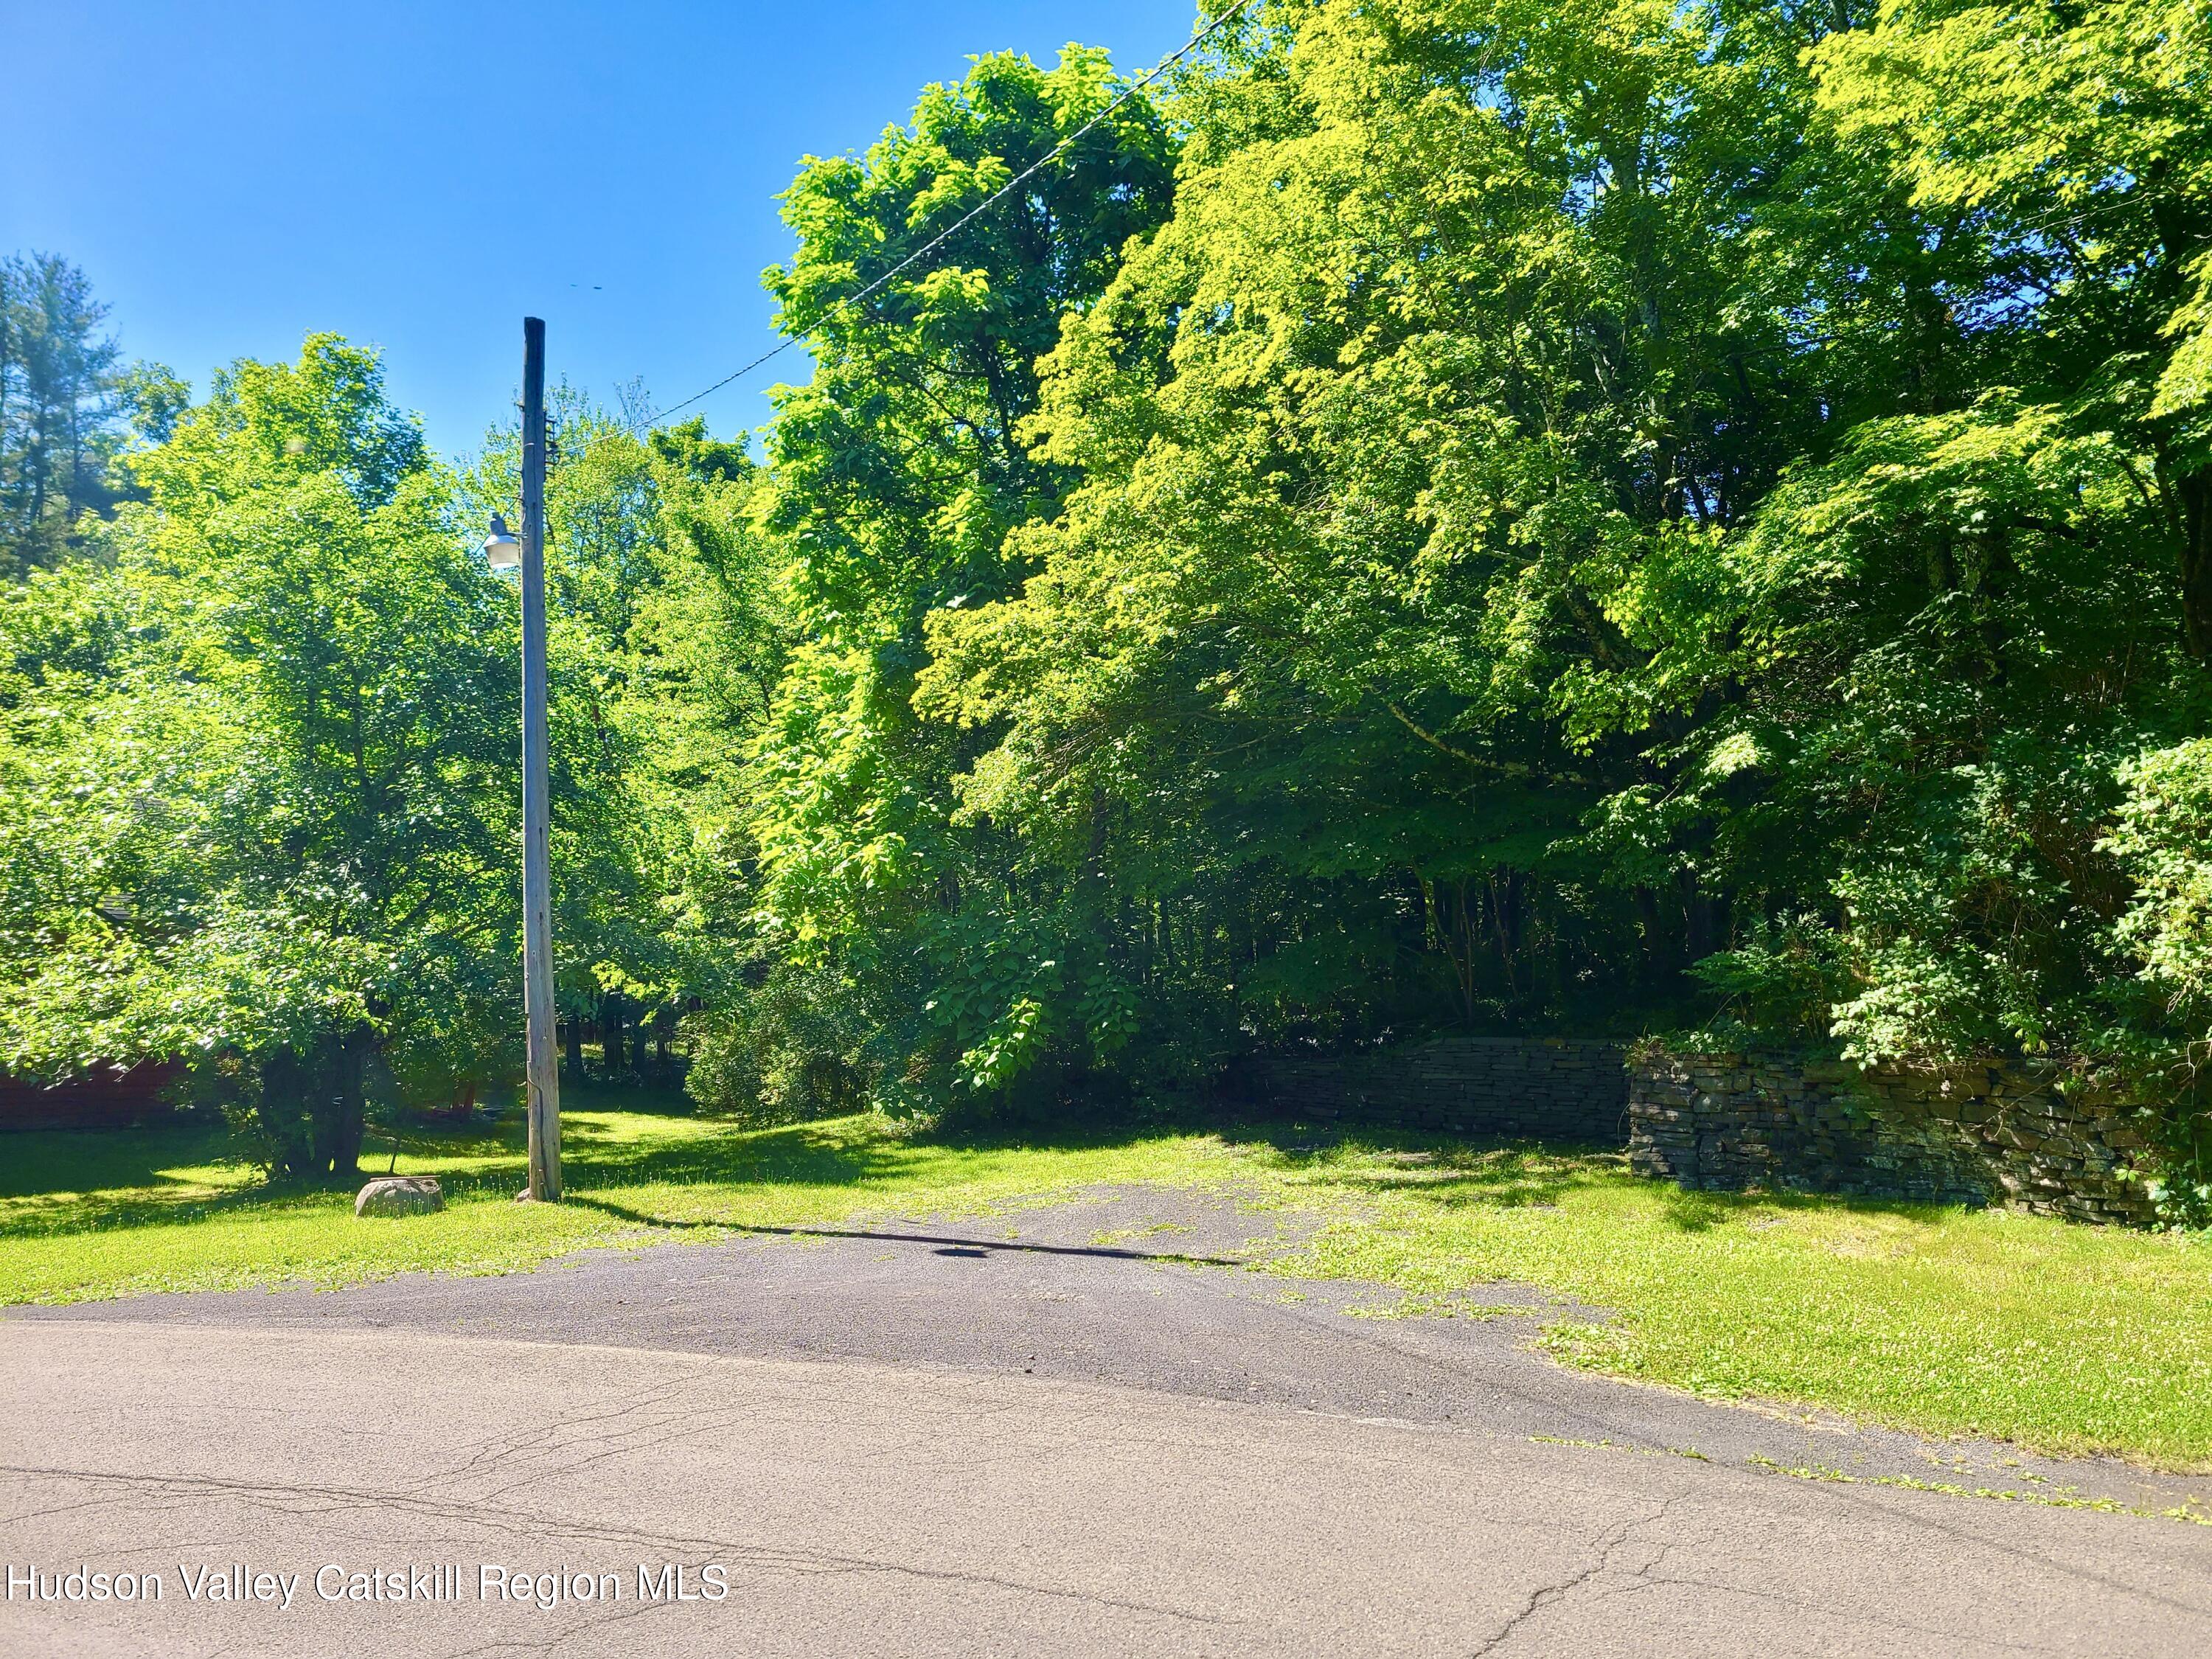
(1080, 1428)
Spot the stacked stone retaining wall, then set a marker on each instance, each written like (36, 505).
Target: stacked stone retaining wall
(1974, 1134)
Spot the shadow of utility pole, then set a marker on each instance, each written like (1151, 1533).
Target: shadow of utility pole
(959, 1246)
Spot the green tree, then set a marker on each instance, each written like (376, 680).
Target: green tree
(2071, 142)
(285, 805)
(62, 407)
(1573, 495)
(1459, 513)
(664, 654)
(1429, 358)
(893, 479)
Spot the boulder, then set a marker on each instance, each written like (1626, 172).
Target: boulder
(399, 1195)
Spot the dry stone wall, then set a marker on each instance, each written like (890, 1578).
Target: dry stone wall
(1971, 1134)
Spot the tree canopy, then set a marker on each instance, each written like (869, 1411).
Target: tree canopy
(1616, 516)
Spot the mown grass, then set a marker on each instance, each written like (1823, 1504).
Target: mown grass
(88, 1216)
(2062, 1338)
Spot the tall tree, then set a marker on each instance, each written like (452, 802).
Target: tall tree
(62, 401)
(895, 476)
(1695, 422)
(273, 838)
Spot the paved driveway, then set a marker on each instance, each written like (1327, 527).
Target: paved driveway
(1059, 1431)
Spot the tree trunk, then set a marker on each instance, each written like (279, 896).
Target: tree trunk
(313, 1107)
(338, 1105)
(610, 1034)
(2195, 493)
(1452, 926)
(351, 1101)
(284, 1111)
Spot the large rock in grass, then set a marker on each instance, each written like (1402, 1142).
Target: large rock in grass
(399, 1195)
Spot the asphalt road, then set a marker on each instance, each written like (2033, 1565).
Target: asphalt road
(1056, 1431)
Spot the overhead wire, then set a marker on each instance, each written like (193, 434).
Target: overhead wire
(855, 298)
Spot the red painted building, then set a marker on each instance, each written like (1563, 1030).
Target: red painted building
(110, 1097)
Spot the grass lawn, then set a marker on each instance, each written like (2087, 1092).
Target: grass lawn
(2062, 1338)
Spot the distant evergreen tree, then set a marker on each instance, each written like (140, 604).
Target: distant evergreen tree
(67, 408)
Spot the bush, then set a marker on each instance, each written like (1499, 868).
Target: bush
(791, 1049)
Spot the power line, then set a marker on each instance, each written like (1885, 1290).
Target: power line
(965, 219)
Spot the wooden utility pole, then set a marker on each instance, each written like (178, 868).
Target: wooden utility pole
(537, 850)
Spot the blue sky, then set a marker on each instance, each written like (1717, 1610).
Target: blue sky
(420, 174)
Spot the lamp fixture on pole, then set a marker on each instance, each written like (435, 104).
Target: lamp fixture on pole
(503, 547)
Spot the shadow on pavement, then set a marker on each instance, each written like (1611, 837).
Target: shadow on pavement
(954, 1245)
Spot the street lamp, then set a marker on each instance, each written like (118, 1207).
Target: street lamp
(503, 547)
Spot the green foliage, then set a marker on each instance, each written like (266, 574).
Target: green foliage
(2163, 837)
(1373, 436)
(1457, 513)
(283, 794)
(68, 412)
(258, 810)
(893, 479)
(788, 1050)
(1569, 514)
(1472, 405)
(262, 814)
